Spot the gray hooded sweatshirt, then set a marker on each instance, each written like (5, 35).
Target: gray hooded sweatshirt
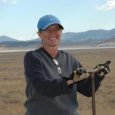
(46, 90)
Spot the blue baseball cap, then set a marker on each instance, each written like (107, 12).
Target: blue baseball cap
(46, 21)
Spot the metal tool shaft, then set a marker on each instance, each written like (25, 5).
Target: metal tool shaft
(93, 94)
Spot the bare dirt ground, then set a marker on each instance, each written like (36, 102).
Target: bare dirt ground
(12, 82)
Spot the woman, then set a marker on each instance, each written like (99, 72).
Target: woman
(49, 74)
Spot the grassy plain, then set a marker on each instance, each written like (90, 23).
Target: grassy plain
(12, 82)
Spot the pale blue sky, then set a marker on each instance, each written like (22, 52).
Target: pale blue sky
(18, 18)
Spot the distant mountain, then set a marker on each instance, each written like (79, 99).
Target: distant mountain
(6, 39)
(88, 38)
(20, 44)
(94, 35)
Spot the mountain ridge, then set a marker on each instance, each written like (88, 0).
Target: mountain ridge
(6, 39)
(88, 38)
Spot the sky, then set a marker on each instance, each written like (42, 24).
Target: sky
(19, 18)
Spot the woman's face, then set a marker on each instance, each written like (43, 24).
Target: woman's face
(51, 35)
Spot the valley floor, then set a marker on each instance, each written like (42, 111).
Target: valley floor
(12, 82)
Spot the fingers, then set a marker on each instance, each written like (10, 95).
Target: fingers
(80, 71)
(103, 69)
(80, 74)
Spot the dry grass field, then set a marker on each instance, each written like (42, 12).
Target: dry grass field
(12, 82)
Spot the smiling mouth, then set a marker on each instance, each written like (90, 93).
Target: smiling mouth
(53, 38)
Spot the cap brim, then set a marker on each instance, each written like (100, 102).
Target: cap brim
(52, 24)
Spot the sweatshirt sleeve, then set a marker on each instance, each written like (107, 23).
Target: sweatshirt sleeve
(85, 86)
(34, 72)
